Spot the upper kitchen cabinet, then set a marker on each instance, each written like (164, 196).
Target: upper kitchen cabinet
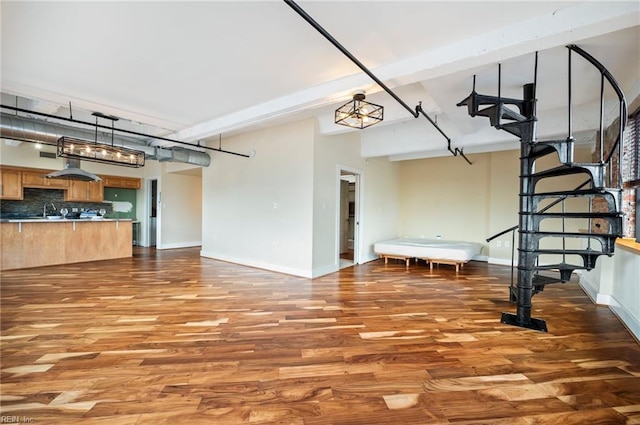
(83, 191)
(35, 178)
(10, 183)
(121, 182)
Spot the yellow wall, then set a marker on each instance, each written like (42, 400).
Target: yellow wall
(448, 197)
(445, 197)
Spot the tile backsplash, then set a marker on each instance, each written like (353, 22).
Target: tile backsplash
(34, 200)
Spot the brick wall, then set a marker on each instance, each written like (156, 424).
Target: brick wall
(630, 173)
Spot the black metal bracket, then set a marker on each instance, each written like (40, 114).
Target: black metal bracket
(454, 152)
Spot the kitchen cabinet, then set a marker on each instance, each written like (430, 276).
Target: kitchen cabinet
(10, 184)
(35, 178)
(14, 179)
(82, 191)
(121, 182)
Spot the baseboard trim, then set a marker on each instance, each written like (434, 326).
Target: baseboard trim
(179, 245)
(368, 258)
(501, 261)
(325, 270)
(628, 320)
(259, 265)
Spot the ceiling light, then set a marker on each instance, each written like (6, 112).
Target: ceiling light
(70, 147)
(358, 113)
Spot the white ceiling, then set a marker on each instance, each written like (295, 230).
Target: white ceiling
(195, 70)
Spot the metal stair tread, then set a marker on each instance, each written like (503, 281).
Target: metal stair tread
(485, 99)
(573, 234)
(592, 214)
(508, 113)
(558, 266)
(563, 147)
(612, 196)
(566, 169)
(540, 280)
(516, 127)
(577, 192)
(567, 251)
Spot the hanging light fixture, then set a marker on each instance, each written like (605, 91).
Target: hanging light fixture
(358, 113)
(70, 147)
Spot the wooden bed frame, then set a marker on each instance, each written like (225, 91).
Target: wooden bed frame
(406, 249)
(431, 261)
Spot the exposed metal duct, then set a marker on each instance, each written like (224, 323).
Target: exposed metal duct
(178, 154)
(34, 130)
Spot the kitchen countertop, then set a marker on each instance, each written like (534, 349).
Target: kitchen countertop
(60, 220)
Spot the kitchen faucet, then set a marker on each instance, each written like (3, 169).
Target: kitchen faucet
(44, 209)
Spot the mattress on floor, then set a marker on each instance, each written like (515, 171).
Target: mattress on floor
(428, 249)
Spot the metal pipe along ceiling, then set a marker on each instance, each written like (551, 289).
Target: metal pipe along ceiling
(33, 130)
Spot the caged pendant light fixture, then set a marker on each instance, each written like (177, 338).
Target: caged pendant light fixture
(95, 151)
(358, 113)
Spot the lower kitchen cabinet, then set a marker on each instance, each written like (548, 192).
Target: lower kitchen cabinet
(36, 243)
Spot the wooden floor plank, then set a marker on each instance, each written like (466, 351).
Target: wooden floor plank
(169, 337)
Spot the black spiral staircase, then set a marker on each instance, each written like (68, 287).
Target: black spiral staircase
(549, 254)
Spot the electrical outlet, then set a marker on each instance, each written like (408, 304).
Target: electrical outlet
(506, 244)
(499, 243)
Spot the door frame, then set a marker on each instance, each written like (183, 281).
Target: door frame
(149, 206)
(342, 170)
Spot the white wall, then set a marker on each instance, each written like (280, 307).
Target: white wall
(378, 203)
(614, 282)
(330, 153)
(181, 211)
(381, 204)
(259, 211)
(279, 209)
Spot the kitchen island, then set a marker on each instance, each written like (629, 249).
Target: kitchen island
(44, 242)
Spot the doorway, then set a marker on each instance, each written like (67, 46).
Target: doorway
(153, 212)
(349, 218)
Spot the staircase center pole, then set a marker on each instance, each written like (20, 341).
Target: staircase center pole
(528, 242)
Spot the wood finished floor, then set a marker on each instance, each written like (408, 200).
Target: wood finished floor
(168, 337)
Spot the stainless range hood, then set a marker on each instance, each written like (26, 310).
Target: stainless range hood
(72, 171)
